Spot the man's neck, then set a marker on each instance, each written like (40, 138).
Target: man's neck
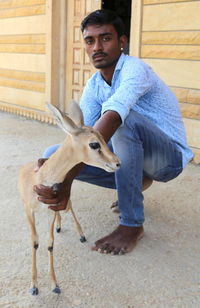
(107, 73)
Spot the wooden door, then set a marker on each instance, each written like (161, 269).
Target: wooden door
(78, 67)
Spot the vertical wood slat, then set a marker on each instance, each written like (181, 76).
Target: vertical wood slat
(136, 27)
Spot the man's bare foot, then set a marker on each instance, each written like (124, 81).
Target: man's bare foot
(120, 241)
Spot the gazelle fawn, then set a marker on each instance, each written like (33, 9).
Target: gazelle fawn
(82, 144)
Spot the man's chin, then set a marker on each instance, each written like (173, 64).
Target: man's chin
(102, 65)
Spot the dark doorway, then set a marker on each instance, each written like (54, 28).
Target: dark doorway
(123, 9)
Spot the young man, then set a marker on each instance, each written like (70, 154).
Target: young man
(131, 107)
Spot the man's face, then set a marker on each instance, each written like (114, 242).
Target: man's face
(102, 45)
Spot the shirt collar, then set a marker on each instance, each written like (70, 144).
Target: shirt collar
(120, 62)
(118, 67)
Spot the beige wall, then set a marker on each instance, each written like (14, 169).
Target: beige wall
(23, 57)
(166, 35)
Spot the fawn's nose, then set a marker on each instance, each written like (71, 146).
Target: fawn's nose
(118, 165)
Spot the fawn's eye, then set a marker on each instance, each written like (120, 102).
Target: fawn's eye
(94, 145)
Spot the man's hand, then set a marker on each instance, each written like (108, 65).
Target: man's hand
(57, 200)
(40, 162)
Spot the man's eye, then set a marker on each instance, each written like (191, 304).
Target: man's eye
(106, 38)
(94, 145)
(89, 42)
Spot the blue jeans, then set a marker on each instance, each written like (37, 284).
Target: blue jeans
(144, 150)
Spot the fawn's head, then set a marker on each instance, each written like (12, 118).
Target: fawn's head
(88, 144)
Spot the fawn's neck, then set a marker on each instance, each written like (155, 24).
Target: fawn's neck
(58, 165)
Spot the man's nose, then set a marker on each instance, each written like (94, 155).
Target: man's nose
(97, 46)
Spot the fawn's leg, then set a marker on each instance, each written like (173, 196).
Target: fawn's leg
(78, 226)
(34, 239)
(58, 222)
(51, 221)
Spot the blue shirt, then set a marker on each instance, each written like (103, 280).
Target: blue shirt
(135, 86)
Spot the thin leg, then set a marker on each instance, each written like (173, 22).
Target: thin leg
(77, 224)
(34, 239)
(58, 222)
(52, 217)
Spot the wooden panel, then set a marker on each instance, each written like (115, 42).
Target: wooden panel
(23, 48)
(7, 4)
(86, 59)
(147, 2)
(22, 39)
(78, 68)
(177, 73)
(76, 77)
(23, 25)
(24, 11)
(76, 95)
(193, 129)
(77, 58)
(171, 38)
(86, 76)
(185, 95)
(29, 62)
(176, 16)
(20, 84)
(23, 98)
(190, 111)
(171, 52)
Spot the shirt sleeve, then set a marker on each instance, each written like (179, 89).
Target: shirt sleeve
(90, 107)
(135, 82)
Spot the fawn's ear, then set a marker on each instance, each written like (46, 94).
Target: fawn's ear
(75, 113)
(62, 120)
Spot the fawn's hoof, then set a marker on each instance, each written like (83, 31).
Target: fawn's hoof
(83, 239)
(33, 291)
(58, 229)
(56, 290)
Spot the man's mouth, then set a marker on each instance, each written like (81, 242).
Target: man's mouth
(99, 56)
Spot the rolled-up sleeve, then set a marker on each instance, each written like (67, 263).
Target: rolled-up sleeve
(135, 82)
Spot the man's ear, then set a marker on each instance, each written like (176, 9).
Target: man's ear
(123, 41)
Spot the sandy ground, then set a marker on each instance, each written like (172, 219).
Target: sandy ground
(163, 271)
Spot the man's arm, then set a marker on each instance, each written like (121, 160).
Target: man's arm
(106, 125)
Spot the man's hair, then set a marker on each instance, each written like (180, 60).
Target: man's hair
(104, 17)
